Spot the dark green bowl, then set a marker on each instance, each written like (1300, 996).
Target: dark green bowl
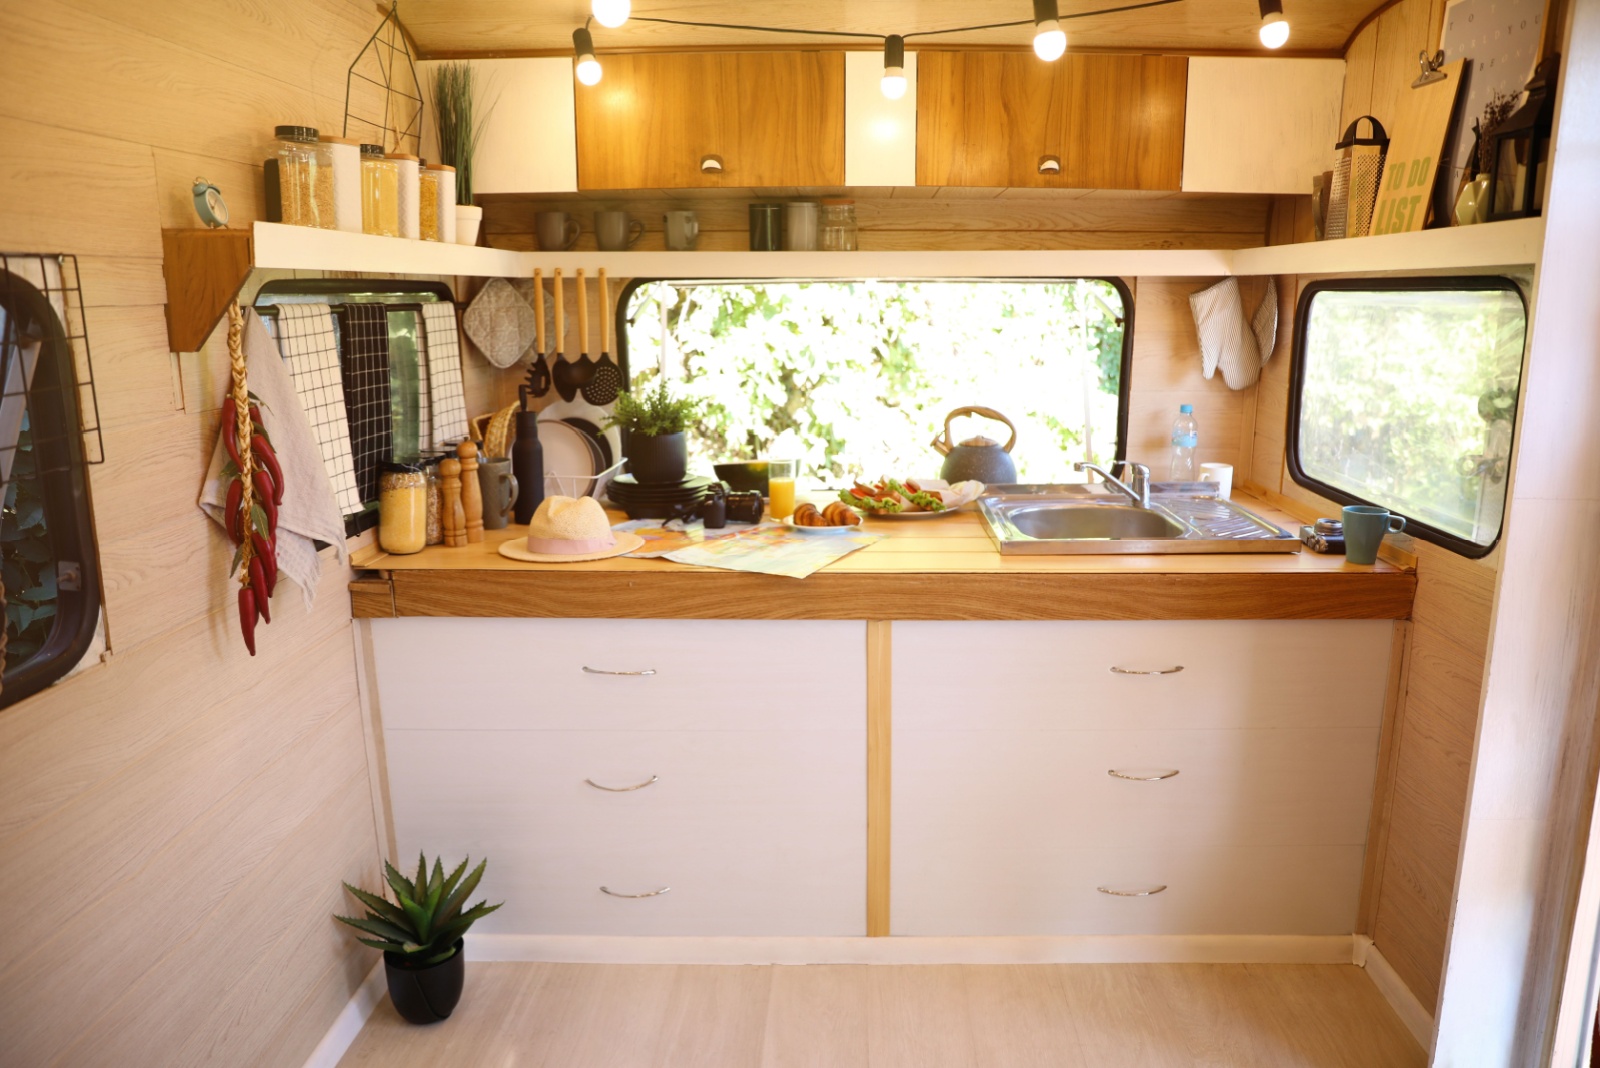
(744, 477)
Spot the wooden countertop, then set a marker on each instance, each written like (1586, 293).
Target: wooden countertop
(943, 569)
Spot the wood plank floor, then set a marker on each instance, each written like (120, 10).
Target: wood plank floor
(902, 1016)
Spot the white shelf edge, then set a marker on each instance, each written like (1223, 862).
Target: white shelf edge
(1505, 244)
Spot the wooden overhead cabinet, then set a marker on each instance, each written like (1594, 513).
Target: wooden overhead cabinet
(772, 118)
(991, 118)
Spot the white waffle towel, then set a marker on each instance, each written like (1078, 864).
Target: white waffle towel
(310, 511)
(1226, 340)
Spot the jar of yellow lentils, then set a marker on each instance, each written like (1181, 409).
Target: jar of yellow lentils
(380, 193)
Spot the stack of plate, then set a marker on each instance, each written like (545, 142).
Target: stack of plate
(658, 500)
(575, 451)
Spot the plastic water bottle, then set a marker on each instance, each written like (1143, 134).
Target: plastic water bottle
(1185, 439)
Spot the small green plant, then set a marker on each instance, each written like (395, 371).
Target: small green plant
(459, 121)
(654, 412)
(425, 919)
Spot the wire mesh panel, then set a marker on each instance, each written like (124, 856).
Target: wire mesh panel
(307, 341)
(23, 335)
(364, 341)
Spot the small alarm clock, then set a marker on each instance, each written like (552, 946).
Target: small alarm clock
(209, 205)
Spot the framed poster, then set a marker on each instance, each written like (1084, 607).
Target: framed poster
(1500, 40)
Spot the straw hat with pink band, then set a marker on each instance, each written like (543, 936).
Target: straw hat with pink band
(570, 530)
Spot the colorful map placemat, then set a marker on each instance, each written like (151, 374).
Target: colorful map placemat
(773, 549)
(663, 537)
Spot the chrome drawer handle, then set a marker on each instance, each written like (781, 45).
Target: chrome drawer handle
(1130, 893)
(647, 671)
(1158, 671)
(1115, 774)
(652, 893)
(642, 785)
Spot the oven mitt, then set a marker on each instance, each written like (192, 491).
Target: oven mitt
(1241, 349)
(501, 323)
(309, 511)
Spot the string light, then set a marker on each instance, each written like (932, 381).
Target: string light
(1049, 39)
(894, 67)
(1274, 27)
(612, 13)
(585, 65)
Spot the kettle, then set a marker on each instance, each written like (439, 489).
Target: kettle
(977, 458)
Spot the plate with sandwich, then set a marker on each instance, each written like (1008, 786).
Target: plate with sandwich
(911, 498)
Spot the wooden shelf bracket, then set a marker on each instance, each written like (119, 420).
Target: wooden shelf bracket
(205, 270)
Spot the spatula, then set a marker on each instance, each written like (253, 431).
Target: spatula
(561, 370)
(539, 370)
(602, 389)
(582, 368)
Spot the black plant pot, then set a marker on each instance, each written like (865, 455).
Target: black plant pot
(658, 457)
(426, 994)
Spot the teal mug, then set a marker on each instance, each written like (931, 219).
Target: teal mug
(1364, 528)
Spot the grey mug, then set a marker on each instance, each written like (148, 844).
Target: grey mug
(683, 230)
(615, 231)
(556, 230)
(1364, 528)
(499, 488)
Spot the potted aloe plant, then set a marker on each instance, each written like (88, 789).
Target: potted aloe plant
(654, 440)
(420, 933)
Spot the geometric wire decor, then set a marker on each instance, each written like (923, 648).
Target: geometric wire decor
(386, 69)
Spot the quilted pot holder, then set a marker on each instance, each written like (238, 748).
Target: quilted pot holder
(501, 323)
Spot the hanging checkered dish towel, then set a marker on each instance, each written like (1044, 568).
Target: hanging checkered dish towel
(364, 339)
(447, 402)
(307, 343)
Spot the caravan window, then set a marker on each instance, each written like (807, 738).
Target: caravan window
(1405, 396)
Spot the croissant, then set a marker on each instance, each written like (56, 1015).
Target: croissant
(806, 515)
(838, 515)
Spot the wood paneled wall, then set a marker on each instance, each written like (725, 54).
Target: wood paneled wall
(1420, 833)
(177, 819)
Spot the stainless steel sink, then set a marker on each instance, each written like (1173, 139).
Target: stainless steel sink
(1182, 518)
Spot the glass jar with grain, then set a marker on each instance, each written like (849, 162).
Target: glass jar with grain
(444, 179)
(402, 508)
(380, 193)
(410, 194)
(428, 203)
(430, 468)
(344, 157)
(305, 177)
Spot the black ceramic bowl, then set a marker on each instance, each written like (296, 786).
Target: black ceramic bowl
(744, 477)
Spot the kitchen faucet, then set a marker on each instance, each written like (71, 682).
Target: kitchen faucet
(1139, 492)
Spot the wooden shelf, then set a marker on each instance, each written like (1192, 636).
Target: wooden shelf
(205, 269)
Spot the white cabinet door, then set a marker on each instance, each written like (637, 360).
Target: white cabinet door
(530, 139)
(1234, 673)
(621, 674)
(754, 832)
(1260, 125)
(880, 135)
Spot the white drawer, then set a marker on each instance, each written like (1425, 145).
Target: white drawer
(1303, 786)
(707, 674)
(1249, 673)
(997, 888)
(756, 832)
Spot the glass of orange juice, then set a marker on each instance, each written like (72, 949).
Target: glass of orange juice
(780, 487)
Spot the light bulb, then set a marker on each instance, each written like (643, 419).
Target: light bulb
(612, 13)
(1274, 27)
(585, 66)
(894, 66)
(1049, 39)
(1050, 43)
(1275, 31)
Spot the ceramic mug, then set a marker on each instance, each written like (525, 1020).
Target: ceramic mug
(683, 230)
(615, 231)
(800, 225)
(765, 226)
(557, 231)
(1222, 475)
(1364, 528)
(499, 488)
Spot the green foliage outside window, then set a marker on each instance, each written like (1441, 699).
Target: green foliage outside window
(27, 558)
(855, 378)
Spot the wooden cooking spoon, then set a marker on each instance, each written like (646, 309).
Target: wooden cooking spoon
(561, 370)
(539, 370)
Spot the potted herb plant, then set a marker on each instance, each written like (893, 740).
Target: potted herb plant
(420, 933)
(459, 124)
(654, 424)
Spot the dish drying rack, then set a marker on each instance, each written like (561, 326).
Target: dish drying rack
(581, 485)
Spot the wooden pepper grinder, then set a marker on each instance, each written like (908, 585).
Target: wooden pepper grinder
(471, 491)
(453, 520)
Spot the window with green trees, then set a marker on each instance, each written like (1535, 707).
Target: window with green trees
(1406, 397)
(855, 377)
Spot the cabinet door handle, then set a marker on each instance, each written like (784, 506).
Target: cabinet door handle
(1131, 893)
(649, 893)
(1115, 774)
(1159, 671)
(642, 785)
(587, 670)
